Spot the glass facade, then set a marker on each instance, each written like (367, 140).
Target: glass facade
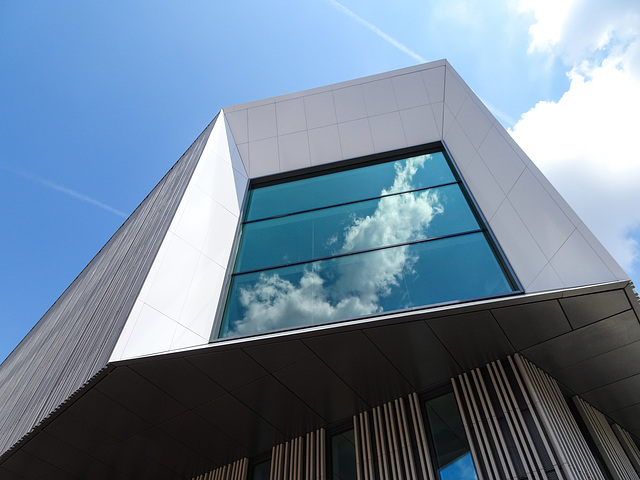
(359, 242)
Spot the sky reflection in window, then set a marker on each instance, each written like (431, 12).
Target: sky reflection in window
(304, 260)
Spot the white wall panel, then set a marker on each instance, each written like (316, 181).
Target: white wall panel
(198, 312)
(434, 82)
(169, 289)
(379, 97)
(562, 203)
(290, 116)
(387, 132)
(455, 92)
(410, 91)
(262, 122)
(198, 210)
(419, 125)
(152, 332)
(185, 338)
(294, 151)
(263, 157)
(239, 125)
(324, 145)
(320, 110)
(543, 217)
(438, 115)
(220, 236)
(501, 160)
(349, 103)
(521, 249)
(484, 187)
(178, 301)
(474, 122)
(355, 138)
(576, 263)
(603, 253)
(459, 145)
(547, 279)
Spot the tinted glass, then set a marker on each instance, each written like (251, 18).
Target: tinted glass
(261, 471)
(356, 243)
(348, 186)
(343, 456)
(354, 227)
(448, 269)
(449, 439)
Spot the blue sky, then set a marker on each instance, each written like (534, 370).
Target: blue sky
(99, 99)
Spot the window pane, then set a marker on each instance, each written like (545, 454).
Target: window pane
(355, 227)
(350, 185)
(442, 270)
(449, 439)
(261, 471)
(343, 456)
(359, 242)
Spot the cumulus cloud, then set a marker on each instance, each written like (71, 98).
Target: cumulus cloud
(333, 290)
(576, 29)
(586, 142)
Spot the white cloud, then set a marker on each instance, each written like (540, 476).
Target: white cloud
(586, 142)
(323, 296)
(576, 29)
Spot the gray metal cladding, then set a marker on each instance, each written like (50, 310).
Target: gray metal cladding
(75, 338)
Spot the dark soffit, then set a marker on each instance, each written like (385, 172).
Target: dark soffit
(180, 414)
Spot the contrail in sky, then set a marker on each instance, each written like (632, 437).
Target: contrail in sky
(378, 32)
(62, 189)
(403, 48)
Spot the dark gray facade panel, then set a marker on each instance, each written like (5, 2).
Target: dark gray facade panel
(75, 338)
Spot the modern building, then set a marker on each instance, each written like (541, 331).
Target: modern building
(368, 280)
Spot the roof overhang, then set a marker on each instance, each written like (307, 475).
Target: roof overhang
(177, 414)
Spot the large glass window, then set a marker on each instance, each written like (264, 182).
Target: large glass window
(359, 242)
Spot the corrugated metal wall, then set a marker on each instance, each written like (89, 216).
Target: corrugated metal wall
(74, 339)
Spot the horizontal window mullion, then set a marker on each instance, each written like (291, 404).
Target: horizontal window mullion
(358, 252)
(327, 207)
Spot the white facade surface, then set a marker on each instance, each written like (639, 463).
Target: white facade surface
(544, 241)
(178, 301)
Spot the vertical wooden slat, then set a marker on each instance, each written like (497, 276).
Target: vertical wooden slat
(323, 457)
(483, 440)
(368, 445)
(531, 452)
(492, 423)
(383, 468)
(527, 399)
(461, 399)
(392, 450)
(356, 434)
